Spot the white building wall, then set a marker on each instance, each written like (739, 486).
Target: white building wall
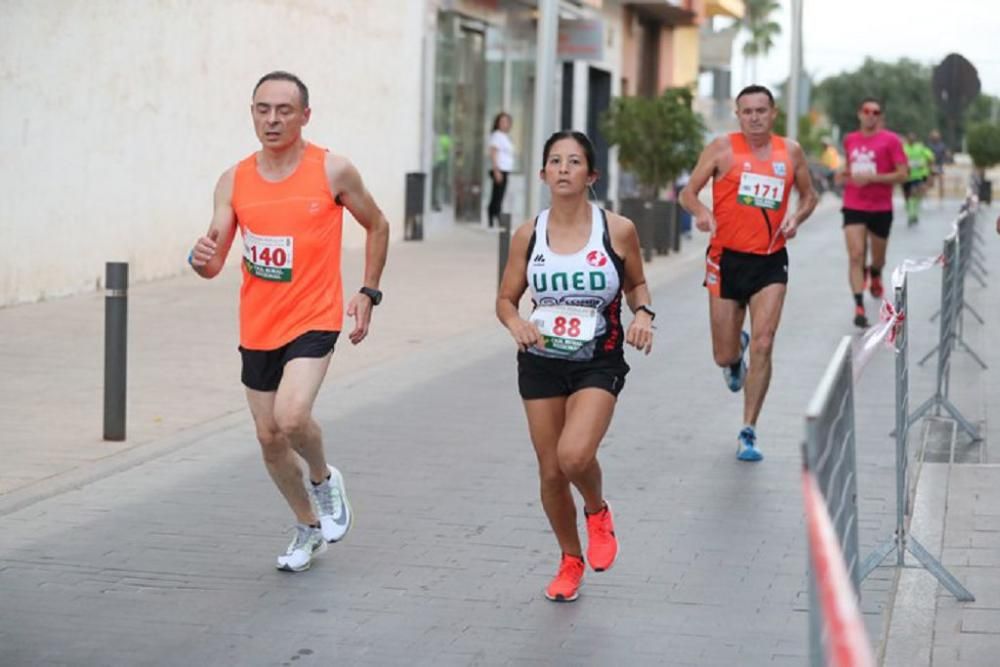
(119, 117)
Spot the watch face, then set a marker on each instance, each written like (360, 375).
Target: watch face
(373, 294)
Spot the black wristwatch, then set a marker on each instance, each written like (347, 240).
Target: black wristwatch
(647, 310)
(373, 294)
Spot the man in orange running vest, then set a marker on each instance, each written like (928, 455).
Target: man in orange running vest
(746, 262)
(287, 202)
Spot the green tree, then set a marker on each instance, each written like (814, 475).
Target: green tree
(903, 87)
(762, 30)
(984, 144)
(657, 137)
(810, 137)
(984, 109)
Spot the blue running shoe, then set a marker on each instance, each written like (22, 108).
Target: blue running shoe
(735, 380)
(746, 447)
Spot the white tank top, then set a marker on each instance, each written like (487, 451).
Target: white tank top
(590, 278)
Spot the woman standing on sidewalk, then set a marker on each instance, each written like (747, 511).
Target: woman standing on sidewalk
(579, 260)
(501, 164)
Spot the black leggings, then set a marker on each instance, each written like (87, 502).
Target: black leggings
(496, 197)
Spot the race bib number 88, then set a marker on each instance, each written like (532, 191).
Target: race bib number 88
(760, 191)
(565, 328)
(268, 257)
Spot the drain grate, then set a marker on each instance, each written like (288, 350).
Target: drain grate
(941, 443)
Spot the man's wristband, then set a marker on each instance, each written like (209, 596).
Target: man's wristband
(191, 258)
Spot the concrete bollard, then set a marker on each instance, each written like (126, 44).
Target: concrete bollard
(115, 348)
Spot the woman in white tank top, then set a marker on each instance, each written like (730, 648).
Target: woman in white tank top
(579, 263)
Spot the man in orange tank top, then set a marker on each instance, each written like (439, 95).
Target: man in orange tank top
(752, 173)
(286, 201)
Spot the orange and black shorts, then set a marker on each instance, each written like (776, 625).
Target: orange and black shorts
(730, 274)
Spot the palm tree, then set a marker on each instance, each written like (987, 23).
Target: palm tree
(762, 28)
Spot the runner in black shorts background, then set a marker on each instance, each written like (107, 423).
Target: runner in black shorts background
(878, 223)
(753, 172)
(875, 163)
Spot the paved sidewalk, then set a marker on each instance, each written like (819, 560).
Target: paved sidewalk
(159, 551)
(183, 366)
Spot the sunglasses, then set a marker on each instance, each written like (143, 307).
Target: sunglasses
(871, 111)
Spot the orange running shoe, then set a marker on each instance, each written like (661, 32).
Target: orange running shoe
(566, 586)
(602, 546)
(875, 287)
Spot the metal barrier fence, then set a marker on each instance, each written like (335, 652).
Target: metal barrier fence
(952, 294)
(846, 641)
(829, 448)
(901, 542)
(830, 454)
(967, 235)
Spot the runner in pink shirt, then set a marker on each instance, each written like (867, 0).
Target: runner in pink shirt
(875, 163)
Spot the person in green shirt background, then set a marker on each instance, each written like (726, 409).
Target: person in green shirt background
(921, 159)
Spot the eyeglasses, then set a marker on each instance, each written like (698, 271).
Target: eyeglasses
(871, 111)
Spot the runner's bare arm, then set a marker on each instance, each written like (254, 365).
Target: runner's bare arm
(209, 253)
(350, 191)
(625, 242)
(803, 184)
(703, 171)
(512, 286)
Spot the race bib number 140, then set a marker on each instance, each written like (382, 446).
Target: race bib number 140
(268, 257)
(565, 328)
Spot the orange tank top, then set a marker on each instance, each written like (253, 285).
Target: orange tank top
(750, 200)
(291, 234)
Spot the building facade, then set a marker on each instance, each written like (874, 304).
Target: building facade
(484, 60)
(119, 117)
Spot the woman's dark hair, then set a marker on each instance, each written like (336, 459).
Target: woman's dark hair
(279, 75)
(496, 121)
(580, 138)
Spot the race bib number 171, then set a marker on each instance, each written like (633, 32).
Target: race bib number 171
(760, 191)
(268, 257)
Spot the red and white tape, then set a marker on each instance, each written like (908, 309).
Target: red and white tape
(847, 643)
(889, 321)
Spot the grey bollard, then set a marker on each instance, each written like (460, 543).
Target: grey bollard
(115, 348)
(503, 249)
(413, 215)
(647, 231)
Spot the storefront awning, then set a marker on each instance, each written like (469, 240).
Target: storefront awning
(662, 11)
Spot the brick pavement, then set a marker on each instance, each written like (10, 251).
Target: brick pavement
(166, 558)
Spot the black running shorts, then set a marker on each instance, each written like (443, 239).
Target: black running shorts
(542, 377)
(877, 222)
(262, 369)
(910, 186)
(743, 274)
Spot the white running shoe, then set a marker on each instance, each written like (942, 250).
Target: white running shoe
(335, 515)
(308, 544)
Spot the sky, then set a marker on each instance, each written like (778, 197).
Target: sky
(837, 35)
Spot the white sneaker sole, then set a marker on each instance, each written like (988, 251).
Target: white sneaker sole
(285, 567)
